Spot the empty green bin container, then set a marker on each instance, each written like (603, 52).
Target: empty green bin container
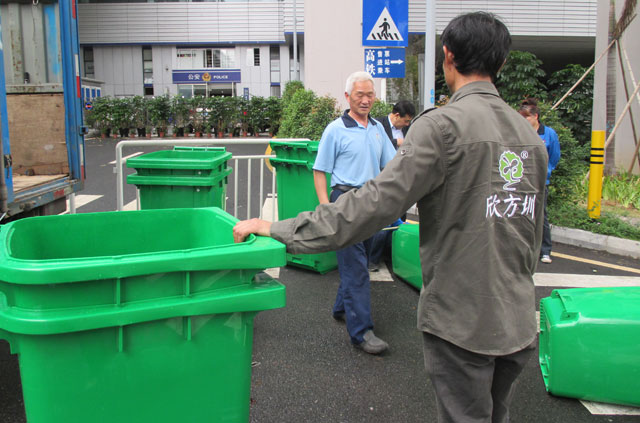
(297, 193)
(405, 254)
(140, 316)
(590, 344)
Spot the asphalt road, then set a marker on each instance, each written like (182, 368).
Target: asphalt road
(304, 368)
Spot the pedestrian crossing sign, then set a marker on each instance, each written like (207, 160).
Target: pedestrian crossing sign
(385, 23)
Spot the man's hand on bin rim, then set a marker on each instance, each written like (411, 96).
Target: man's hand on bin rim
(252, 226)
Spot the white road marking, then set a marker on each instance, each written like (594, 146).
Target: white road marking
(132, 205)
(81, 200)
(583, 281)
(610, 409)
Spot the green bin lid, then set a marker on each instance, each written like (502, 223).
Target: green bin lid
(179, 159)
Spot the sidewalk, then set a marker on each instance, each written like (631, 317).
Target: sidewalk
(610, 244)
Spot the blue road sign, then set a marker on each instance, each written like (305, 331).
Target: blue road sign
(384, 62)
(385, 23)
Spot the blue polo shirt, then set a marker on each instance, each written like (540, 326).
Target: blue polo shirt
(351, 153)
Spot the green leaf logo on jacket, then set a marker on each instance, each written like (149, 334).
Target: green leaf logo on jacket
(511, 169)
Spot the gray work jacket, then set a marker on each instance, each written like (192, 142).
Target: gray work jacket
(477, 170)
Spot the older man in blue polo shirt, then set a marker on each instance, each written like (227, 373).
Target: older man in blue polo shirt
(354, 148)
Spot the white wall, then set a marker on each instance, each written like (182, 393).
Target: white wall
(624, 140)
(333, 43)
(120, 67)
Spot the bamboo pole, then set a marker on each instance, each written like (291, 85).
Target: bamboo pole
(624, 112)
(583, 76)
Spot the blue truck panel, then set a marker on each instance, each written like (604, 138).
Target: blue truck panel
(41, 71)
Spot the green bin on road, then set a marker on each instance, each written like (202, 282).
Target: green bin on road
(590, 344)
(135, 316)
(297, 193)
(405, 254)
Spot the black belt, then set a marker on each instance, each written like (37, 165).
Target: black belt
(344, 188)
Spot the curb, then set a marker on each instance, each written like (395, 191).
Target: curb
(580, 238)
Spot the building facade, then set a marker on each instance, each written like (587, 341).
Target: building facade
(245, 48)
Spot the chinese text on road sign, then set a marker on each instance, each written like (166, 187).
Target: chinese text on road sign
(384, 62)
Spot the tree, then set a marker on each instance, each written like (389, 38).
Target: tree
(520, 78)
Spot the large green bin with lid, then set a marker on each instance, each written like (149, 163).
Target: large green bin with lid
(405, 254)
(297, 193)
(182, 177)
(135, 316)
(590, 344)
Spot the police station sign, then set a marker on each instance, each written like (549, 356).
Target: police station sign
(206, 76)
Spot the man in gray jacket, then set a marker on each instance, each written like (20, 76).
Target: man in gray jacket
(477, 171)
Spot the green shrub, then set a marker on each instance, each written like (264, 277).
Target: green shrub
(380, 108)
(306, 115)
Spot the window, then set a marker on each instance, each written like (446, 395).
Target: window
(147, 71)
(88, 62)
(256, 57)
(205, 58)
(274, 62)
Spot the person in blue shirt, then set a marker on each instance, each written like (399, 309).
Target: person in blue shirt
(353, 149)
(530, 111)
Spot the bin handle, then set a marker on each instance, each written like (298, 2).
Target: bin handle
(289, 162)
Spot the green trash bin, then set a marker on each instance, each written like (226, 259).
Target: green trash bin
(297, 193)
(182, 161)
(405, 254)
(161, 192)
(590, 344)
(121, 317)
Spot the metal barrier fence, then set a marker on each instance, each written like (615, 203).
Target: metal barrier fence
(236, 160)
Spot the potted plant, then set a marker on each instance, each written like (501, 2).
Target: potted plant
(140, 114)
(273, 114)
(215, 106)
(180, 114)
(159, 113)
(198, 115)
(99, 118)
(231, 113)
(122, 113)
(257, 115)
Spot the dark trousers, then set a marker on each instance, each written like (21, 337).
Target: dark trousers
(471, 387)
(545, 250)
(354, 293)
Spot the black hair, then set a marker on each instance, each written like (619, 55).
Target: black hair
(404, 107)
(529, 107)
(479, 42)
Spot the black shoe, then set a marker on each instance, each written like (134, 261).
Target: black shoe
(372, 344)
(374, 267)
(339, 316)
